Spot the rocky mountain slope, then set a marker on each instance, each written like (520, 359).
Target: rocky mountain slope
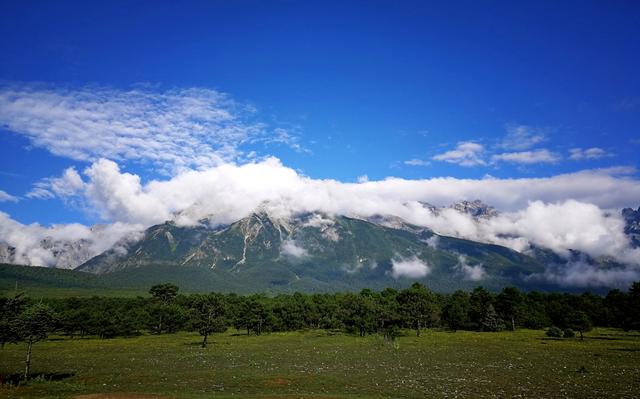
(632, 227)
(318, 252)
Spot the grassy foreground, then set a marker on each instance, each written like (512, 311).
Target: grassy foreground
(317, 364)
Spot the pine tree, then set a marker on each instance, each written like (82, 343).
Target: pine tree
(164, 295)
(419, 307)
(208, 315)
(491, 321)
(10, 309)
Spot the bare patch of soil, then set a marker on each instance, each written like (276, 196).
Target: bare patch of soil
(277, 382)
(120, 395)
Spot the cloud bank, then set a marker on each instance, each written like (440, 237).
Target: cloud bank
(229, 192)
(576, 211)
(40, 246)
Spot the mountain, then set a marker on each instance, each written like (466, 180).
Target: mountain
(7, 253)
(477, 209)
(314, 252)
(162, 244)
(12, 276)
(632, 225)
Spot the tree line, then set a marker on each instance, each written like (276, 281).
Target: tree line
(386, 312)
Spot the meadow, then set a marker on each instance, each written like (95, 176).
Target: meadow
(326, 364)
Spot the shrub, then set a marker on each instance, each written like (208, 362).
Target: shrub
(568, 333)
(554, 332)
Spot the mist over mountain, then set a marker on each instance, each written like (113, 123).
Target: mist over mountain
(61, 246)
(279, 245)
(316, 251)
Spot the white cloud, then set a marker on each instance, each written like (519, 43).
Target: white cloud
(319, 221)
(433, 241)
(473, 273)
(6, 197)
(283, 136)
(518, 139)
(522, 137)
(69, 184)
(568, 225)
(230, 192)
(417, 162)
(171, 129)
(466, 153)
(582, 274)
(82, 242)
(579, 154)
(291, 249)
(571, 211)
(410, 268)
(120, 196)
(528, 157)
(325, 225)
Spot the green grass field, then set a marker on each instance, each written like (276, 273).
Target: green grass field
(318, 364)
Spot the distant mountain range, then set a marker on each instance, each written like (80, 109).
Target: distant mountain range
(315, 252)
(69, 254)
(320, 252)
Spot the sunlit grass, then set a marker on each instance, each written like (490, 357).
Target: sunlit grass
(315, 363)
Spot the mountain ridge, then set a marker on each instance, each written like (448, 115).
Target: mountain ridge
(318, 249)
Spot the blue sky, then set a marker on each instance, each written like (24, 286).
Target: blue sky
(335, 90)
